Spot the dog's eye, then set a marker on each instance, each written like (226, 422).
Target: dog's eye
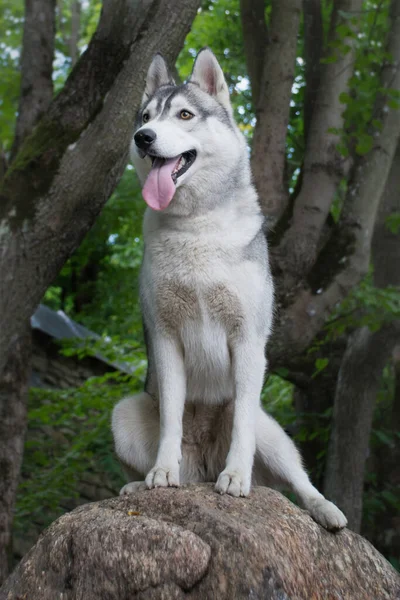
(186, 115)
(146, 117)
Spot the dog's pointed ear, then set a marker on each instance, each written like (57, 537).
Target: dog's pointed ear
(157, 75)
(208, 74)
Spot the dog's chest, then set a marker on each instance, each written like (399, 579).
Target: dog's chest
(194, 284)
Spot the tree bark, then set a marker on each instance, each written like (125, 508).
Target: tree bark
(66, 169)
(361, 371)
(323, 166)
(313, 46)
(36, 67)
(273, 105)
(304, 306)
(43, 219)
(255, 40)
(396, 399)
(13, 394)
(75, 25)
(35, 97)
(357, 387)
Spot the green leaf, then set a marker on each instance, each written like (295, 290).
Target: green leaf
(364, 144)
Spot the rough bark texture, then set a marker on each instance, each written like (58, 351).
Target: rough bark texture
(35, 97)
(313, 45)
(81, 145)
(255, 39)
(357, 387)
(75, 25)
(272, 106)
(13, 394)
(323, 166)
(192, 543)
(386, 243)
(36, 66)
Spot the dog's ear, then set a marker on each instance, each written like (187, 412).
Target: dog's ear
(157, 75)
(208, 74)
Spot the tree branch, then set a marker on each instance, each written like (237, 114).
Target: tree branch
(313, 45)
(75, 25)
(323, 165)
(255, 40)
(36, 67)
(272, 108)
(81, 147)
(304, 309)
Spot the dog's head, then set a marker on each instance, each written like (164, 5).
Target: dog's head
(186, 144)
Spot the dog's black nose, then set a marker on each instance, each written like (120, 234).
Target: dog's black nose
(144, 138)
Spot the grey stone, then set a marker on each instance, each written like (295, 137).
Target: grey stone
(193, 543)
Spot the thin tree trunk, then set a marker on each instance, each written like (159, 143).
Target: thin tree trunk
(396, 399)
(313, 45)
(323, 166)
(272, 107)
(13, 394)
(36, 67)
(35, 97)
(358, 384)
(360, 374)
(75, 25)
(255, 40)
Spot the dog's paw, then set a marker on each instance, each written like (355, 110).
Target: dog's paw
(233, 483)
(327, 514)
(132, 488)
(162, 477)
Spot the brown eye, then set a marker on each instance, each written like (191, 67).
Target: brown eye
(185, 115)
(146, 117)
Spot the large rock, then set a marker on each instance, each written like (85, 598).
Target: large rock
(193, 543)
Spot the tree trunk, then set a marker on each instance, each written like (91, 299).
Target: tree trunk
(75, 25)
(13, 395)
(36, 67)
(272, 106)
(357, 386)
(360, 375)
(313, 46)
(35, 97)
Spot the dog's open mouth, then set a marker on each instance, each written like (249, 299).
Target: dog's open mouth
(160, 185)
(184, 162)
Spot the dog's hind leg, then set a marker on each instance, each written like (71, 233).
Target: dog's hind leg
(278, 464)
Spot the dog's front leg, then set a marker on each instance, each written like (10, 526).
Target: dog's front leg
(248, 362)
(172, 391)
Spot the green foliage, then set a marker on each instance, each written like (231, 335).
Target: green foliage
(393, 223)
(277, 399)
(11, 23)
(366, 305)
(361, 124)
(69, 436)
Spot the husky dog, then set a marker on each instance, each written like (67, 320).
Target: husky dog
(207, 301)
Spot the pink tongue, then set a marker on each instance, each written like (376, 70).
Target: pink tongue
(159, 188)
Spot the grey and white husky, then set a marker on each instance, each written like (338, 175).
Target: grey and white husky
(207, 301)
